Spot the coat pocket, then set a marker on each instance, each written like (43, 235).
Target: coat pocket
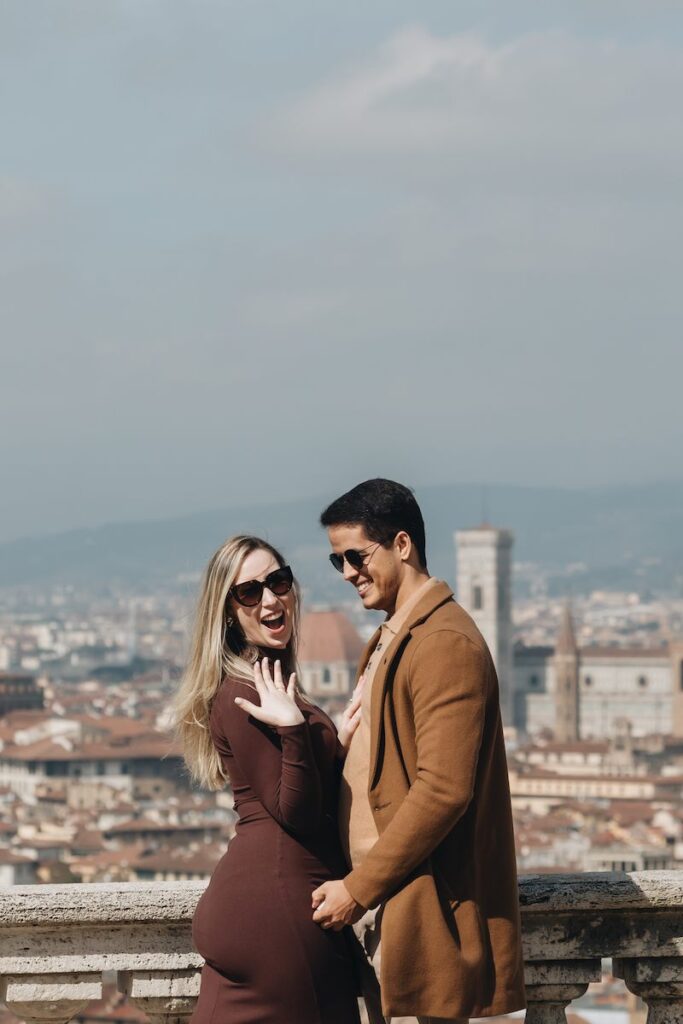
(444, 889)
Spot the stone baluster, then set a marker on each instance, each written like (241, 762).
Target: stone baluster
(552, 985)
(49, 998)
(166, 997)
(659, 983)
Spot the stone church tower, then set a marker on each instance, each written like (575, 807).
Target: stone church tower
(484, 589)
(566, 661)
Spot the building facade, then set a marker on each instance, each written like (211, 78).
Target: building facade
(587, 692)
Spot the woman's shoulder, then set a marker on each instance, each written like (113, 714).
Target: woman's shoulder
(224, 701)
(231, 687)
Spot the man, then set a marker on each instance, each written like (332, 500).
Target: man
(425, 805)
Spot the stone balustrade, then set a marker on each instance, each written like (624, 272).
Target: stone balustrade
(56, 940)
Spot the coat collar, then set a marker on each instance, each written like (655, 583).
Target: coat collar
(433, 599)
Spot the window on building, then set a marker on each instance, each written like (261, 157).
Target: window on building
(477, 597)
(533, 682)
(327, 677)
(642, 681)
(587, 681)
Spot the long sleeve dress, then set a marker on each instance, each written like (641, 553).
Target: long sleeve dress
(267, 962)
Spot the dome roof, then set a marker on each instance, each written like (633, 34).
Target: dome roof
(328, 636)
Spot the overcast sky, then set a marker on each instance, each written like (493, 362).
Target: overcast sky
(258, 250)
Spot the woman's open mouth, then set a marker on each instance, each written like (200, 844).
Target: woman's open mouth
(274, 624)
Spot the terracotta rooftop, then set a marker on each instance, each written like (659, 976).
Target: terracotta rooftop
(148, 825)
(148, 748)
(14, 720)
(88, 839)
(192, 862)
(328, 636)
(108, 858)
(8, 857)
(631, 811)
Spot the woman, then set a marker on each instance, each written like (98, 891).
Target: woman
(266, 960)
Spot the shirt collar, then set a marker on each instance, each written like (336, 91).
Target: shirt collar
(398, 619)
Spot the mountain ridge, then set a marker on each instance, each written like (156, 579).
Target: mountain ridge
(618, 532)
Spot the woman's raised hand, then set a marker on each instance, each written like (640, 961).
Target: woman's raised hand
(351, 717)
(278, 706)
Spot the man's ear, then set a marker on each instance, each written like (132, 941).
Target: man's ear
(404, 545)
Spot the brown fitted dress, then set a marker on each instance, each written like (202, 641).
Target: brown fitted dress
(267, 962)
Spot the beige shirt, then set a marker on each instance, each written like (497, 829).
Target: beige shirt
(356, 824)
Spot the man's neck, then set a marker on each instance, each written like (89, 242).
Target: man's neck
(410, 584)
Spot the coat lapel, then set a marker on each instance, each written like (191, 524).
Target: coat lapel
(423, 609)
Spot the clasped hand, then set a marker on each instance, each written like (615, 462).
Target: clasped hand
(278, 707)
(334, 906)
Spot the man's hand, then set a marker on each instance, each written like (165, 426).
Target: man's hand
(334, 906)
(351, 717)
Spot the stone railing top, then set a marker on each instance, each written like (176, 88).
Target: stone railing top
(605, 891)
(41, 905)
(100, 903)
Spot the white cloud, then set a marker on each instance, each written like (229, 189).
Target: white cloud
(543, 107)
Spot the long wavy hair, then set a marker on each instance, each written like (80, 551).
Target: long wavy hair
(219, 648)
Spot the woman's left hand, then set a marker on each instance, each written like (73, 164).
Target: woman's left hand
(351, 717)
(278, 706)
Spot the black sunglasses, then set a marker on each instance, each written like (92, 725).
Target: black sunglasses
(356, 559)
(279, 582)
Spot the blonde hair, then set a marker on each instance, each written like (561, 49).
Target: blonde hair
(219, 648)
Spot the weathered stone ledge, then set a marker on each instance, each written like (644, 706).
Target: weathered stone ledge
(101, 903)
(175, 901)
(608, 891)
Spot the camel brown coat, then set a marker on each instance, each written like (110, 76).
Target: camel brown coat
(444, 864)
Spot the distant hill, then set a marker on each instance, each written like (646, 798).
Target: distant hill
(625, 537)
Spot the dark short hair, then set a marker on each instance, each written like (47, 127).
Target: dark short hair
(383, 508)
